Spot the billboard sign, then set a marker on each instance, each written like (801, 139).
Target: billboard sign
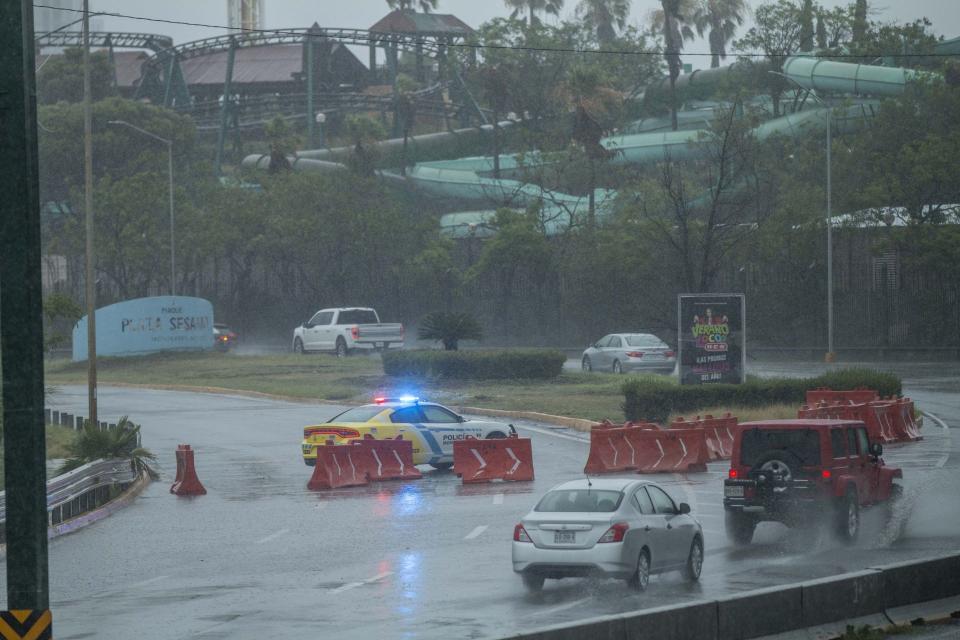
(711, 338)
(148, 325)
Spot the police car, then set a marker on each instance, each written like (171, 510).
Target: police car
(432, 428)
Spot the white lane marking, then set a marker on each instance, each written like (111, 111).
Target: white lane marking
(146, 582)
(562, 607)
(354, 585)
(547, 432)
(516, 461)
(498, 498)
(320, 505)
(273, 536)
(946, 430)
(476, 532)
(483, 463)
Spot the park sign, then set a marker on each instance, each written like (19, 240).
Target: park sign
(148, 325)
(711, 338)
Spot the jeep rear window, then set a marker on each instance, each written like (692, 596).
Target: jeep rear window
(580, 501)
(803, 443)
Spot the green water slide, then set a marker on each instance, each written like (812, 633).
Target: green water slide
(469, 180)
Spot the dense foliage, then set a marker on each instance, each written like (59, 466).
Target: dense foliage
(654, 402)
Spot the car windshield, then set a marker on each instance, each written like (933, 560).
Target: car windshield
(357, 414)
(802, 443)
(580, 501)
(644, 340)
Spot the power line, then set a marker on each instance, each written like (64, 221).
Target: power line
(478, 46)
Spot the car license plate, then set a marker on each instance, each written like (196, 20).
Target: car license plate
(564, 537)
(379, 345)
(733, 492)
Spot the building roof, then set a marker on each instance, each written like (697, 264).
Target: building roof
(434, 24)
(127, 65)
(271, 63)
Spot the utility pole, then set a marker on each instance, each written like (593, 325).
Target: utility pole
(91, 289)
(21, 316)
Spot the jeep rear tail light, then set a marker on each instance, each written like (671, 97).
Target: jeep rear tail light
(520, 534)
(825, 474)
(733, 474)
(615, 533)
(355, 332)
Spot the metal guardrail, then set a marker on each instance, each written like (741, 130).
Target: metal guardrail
(83, 489)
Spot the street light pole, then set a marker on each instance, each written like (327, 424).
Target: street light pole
(91, 287)
(173, 236)
(830, 355)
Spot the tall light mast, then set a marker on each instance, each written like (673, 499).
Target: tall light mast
(245, 15)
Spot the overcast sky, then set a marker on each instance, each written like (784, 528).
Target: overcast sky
(945, 14)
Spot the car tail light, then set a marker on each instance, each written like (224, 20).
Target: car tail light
(733, 474)
(355, 332)
(825, 474)
(635, 354)
(520, 534)
(615, 533)
(669, 354)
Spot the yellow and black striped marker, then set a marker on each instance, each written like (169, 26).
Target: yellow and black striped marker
(26, 624)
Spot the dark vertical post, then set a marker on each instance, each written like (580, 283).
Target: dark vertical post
(373, 60)
(21, 316)
(311, 90)
(225, 107)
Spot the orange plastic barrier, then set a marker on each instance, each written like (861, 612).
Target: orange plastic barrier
(338, 466)
(717, 431)
(856, 396)
(887, 420)
(910, 425)
(673, 451)
(388, 459)
(609, 450)
(186, 482)
(496, 459)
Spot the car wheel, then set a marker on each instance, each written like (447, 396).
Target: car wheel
(586, 365)
(310, 462)
(847, 517)
(441, 466)
(694, 561)
(532, 581)
(739, 528)
(641, 577)
(298, 347)
(617, 368)
(341, 348)
(496, 435)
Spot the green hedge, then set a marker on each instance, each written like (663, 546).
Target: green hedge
(655, 402)
(492, 364)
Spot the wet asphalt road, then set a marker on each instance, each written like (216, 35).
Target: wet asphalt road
(260, 556)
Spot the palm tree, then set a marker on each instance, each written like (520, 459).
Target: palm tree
(532, 7)
(721, 17)
(604, 17)
(95, 444)
(425, 5)
(674, 19)
(449, 328)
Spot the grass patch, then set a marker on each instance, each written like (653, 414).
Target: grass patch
(58, 439)
(744, 414)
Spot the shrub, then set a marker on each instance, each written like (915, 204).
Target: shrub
(492, 364)
(449, 328)
(655, 402)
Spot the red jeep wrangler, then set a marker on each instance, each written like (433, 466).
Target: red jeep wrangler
(802, 471)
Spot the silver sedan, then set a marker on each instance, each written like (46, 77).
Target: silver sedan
(621, 352)
(614, 527)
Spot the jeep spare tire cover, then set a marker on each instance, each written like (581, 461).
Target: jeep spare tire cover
(776, 462)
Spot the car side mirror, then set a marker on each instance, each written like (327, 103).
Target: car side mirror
(876, 449)
(461, 419)
(684, 507)
(306, 324)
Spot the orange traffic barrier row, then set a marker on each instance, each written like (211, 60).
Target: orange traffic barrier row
(887, 420)
(509, 459)
(643, 449)
(363, 461)
(186, 482)
(717, 431)
(861, 395)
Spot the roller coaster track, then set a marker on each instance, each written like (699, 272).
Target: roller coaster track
(108, 39)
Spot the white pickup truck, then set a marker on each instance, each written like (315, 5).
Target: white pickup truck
(346, 329)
